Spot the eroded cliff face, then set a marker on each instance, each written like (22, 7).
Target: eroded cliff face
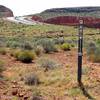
(74, 20)
(5, 12)
(71, 16)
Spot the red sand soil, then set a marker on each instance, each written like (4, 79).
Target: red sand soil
(65, 58)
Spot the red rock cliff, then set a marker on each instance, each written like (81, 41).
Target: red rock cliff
(74, 20)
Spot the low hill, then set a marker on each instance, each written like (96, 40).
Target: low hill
(74, 11)
(5, 12)
(70, 16)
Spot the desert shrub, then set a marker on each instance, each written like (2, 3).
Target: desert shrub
(65, 47)
(19, 41)
(14, 52)
(3, 51)
(39, 50)
(97, 55)
(91, 48)
(25, 56)
(85, 70)
(26, 45)
(72, 45)
(93, 52)
(36, 93)
(1, 66)
(13, 44)
(74, 91)
(69, 41)
(2, 41)
(59, 40)
(98, 41)
(47, 64)
(31, 79)
(48, 45)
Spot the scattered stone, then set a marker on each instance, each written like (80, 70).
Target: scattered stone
(14, 92)
(26, 97)
(21, 94)
(5, 92)
(14, 82)
(13, 86)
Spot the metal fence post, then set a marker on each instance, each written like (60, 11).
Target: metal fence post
(80, 51)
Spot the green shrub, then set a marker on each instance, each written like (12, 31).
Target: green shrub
(26, 46)
(72, 45)
(98, 41)
(25, 56)
(2, 51)
(48, 45)
(47, 64)
(31, 79)
(15, 52)
(2, 41)
(19, 41)
(13, 44)
(59, 40)
(65, 47)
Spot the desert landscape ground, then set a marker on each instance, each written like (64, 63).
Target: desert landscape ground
(39, 62)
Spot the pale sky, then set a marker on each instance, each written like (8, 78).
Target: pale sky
(25, 7)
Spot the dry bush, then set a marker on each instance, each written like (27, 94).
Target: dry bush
(93, 52)
(47, 63)
(39, 50)
(31, 79)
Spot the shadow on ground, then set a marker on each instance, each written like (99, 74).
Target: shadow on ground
(84, 91)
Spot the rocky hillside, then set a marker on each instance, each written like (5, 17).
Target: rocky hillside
(75, 11)
(74, 20)
(70, 16)
(5, 12)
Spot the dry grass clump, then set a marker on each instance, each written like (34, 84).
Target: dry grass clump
(93, 52)
(65, 47)
(31, 79)
(47, 63)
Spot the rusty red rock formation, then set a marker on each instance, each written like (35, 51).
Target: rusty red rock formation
(74, 20)
(70, 20)
(36, 18)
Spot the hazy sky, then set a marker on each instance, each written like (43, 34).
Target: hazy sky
(25, 7)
